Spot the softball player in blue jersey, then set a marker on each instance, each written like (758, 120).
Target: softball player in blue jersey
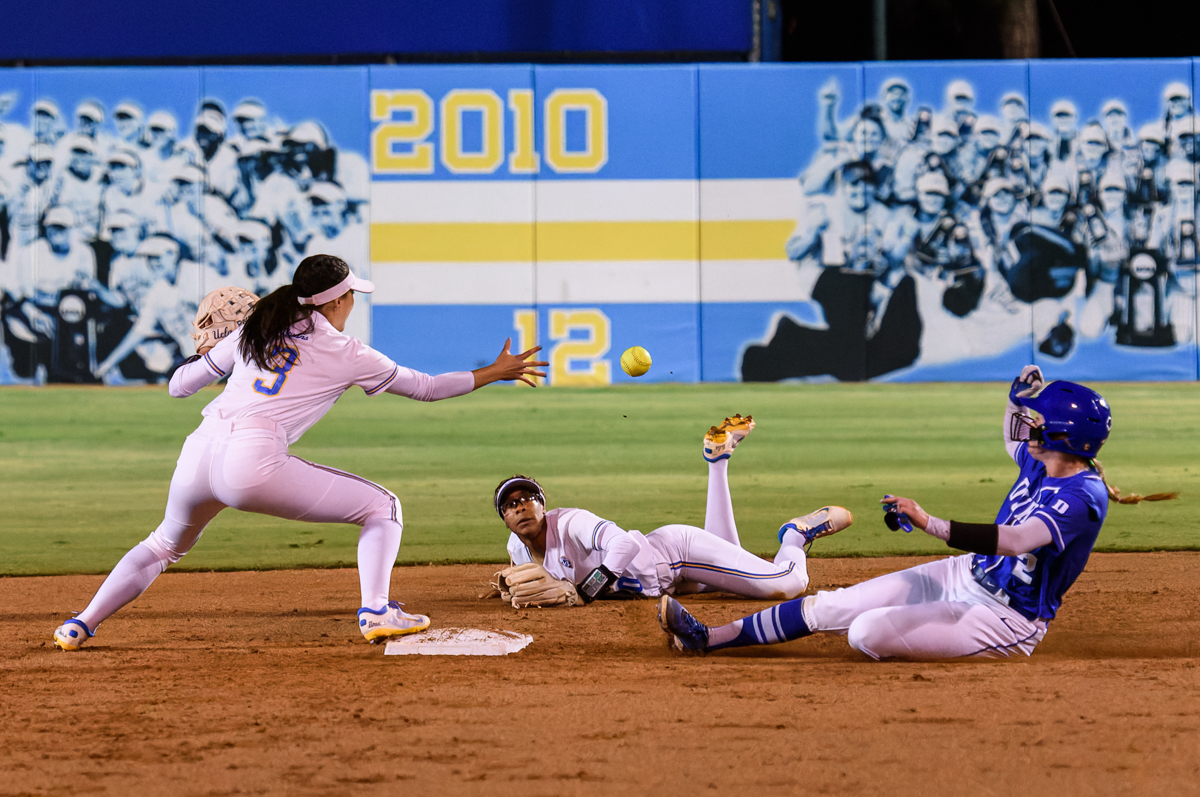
(990, 604)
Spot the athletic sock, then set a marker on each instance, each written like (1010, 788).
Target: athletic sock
(378, 545)
(781, 623)
(133, 574)
(791, 548)
(718, 509)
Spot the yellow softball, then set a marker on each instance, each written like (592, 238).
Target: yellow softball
(635, 361)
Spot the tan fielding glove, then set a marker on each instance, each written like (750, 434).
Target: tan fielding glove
(497, 588)
(220, 313)
(530, 585)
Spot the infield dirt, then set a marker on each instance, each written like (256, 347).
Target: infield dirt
(259, 683)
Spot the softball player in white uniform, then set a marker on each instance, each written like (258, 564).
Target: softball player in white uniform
(992, 604)
(287, 365)
(578, 547)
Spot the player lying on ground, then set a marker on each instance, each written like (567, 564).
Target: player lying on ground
(287, 364)
(991, 604)
(571, 556)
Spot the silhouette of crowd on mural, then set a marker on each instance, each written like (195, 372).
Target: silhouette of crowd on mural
(939, 235)
(114, 223)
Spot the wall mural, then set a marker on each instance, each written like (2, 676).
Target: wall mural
(916, 221)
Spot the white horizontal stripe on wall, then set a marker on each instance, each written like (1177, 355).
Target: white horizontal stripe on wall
(616, 200)
(749, 200)
(583, 200)
(479, 201)
(452, 283)
(756, 281)
(623, 282)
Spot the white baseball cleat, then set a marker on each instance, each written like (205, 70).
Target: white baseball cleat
(720, 441)
(379, 625)
(71, 635)
(825, 521)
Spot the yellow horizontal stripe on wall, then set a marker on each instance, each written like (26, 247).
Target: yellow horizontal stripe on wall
(616, 240)
(744, 240)
(452, 242)
(459, 242)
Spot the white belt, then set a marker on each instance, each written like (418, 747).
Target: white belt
(226, 426)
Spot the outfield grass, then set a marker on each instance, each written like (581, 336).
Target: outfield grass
(84, 472)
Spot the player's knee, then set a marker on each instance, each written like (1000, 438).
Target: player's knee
(169, 547)
(867, 634)
(792, 587)
(385, 506)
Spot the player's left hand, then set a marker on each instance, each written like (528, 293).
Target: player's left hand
(529, 585)
(220, 313)
(509, 366)
(1029, 382)
(918, 516)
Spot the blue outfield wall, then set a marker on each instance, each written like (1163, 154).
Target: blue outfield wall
(896, 222)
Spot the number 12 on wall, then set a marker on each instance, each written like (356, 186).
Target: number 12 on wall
(579, 340)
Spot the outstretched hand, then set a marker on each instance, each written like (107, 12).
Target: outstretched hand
(509, 366)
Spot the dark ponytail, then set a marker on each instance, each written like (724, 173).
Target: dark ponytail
(273, 317)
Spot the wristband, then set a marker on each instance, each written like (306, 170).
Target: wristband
(981, 538)
(595, 582)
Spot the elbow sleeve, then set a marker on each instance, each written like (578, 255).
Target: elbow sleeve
(618, 553)
(981, 538)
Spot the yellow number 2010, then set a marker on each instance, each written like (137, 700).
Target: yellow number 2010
(405, 120)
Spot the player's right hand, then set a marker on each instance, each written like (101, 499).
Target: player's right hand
(511, 367)
(918, 516)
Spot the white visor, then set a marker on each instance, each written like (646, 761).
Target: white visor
(350, 283)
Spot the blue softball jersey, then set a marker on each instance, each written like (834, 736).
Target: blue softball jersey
(1074, 509)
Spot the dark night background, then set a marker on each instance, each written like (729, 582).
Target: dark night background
(969, 29)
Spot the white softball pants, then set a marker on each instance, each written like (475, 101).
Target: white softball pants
(933, 611)
(712, 558)
(245, 464)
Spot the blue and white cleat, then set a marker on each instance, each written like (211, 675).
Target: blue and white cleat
(720, 441)
(825, 521)
(685, 633)
(379, 625)
(71, 635)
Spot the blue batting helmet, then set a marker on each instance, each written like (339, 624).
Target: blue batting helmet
(1070, 418)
